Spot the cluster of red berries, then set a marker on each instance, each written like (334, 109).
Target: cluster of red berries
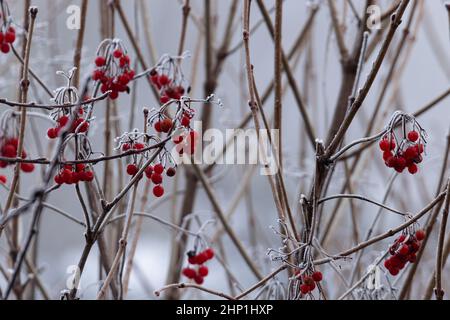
(403, 251)
(201, 271)
(7, 38)
(155, 174)
(9, 149)
(407, 155)
(167, 87)
(71, 174)
(79, 123)
(117, 81)
(308, 281)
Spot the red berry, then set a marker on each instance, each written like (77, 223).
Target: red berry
(411, 153)
(185, 121)
(171, 172)
(198, 280)
(149, 172)
(387, 155)
(114, 95)
(27, 167)
(163, 80)
(203, 271)
(413, 168)
(2, 179)
(100, 61)
(51, 133)
(88, 176)
(158, 126)
(2, 36)
(132, 169)
(5, 47)
(192, 259)
(420, 235)
(209, 252)
(156, 178)
(158, 168)
(10, 36)
(304, 289)
(202, 258)
(126, 147)
(414, 246)
(404, 250)
(394, 271)
(124, 61)
(400, 164)
(385, 145)
(189, 273)
(387, 263)
(317, 276)
(63, 120)
(312, 286)
(164, 99)
(177, 139)
(117, 53)
(413, 136)
(158, 191)
(412, 258)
